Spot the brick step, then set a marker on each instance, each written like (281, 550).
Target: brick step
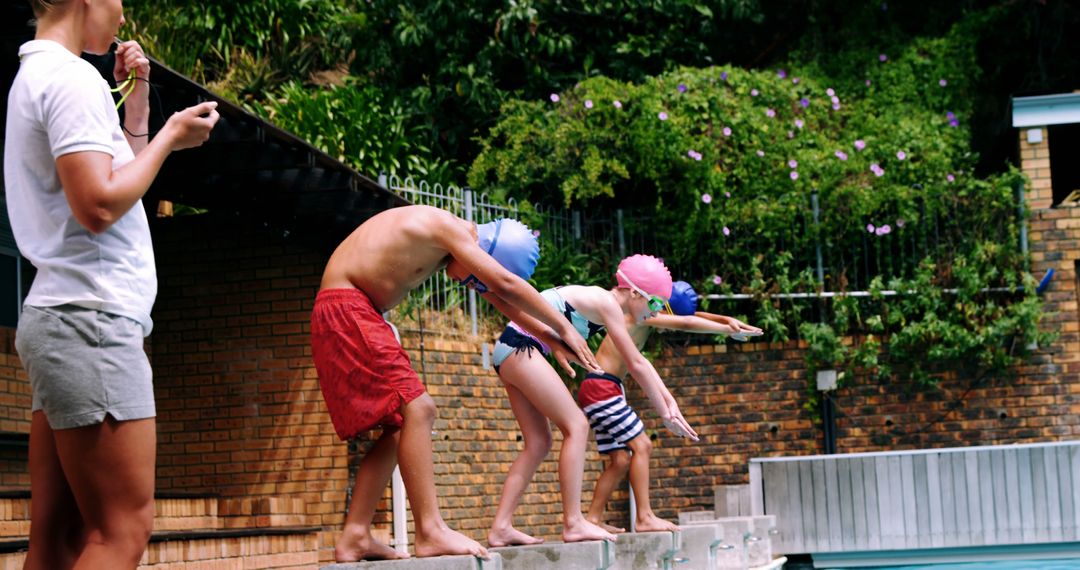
(178, 512)
(227, 549)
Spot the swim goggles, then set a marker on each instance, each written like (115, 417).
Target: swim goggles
(656, 302)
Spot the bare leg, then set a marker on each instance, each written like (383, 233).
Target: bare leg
(647, 521)
(544, 390)
(110, 469)
(618, 463)
(56, 527)
(356, 542)
(536, 432)
(433, 537)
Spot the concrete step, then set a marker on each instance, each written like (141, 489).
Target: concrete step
(593, 555)
(739, 542)
(494, 562)
(635, 550)
(276, 549)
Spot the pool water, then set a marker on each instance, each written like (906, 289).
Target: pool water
(1052, 564)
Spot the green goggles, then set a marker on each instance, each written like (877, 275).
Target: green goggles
(656, 302)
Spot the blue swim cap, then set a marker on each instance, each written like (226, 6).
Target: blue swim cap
(512, 244)
(683, 298)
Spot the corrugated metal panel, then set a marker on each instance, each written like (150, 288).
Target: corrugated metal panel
(943, 498)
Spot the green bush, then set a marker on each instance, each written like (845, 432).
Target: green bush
(728, 163)
(357, 125)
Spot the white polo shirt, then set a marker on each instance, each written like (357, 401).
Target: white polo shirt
(60, 104)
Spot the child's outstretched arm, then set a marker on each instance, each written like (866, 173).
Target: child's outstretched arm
(643, 372)
(742, 330)
(511, 288)
(690, 323)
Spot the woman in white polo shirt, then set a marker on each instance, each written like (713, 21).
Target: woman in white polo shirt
(74, 179)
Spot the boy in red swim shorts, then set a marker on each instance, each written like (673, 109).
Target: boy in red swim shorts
(365, 374)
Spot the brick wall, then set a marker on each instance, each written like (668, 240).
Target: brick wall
(14, 414)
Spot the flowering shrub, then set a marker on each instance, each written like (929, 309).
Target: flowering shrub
(730, 161)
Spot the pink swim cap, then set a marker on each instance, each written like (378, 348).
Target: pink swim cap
(646, 272)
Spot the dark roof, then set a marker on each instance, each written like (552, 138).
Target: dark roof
(248, 167)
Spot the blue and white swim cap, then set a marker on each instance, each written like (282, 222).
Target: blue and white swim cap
(512, 244)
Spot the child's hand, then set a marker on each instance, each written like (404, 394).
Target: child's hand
(676, 424)
(582, 354)
(564, 356)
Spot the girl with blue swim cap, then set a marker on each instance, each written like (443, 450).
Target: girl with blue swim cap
(631, 452)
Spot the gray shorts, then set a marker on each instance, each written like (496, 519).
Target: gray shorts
(84, 364)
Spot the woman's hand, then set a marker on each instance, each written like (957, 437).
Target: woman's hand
(130, 57)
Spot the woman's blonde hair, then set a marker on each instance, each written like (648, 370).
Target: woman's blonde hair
(41, 7)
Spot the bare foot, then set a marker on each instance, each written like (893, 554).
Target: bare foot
(510, 537)
(611, 528)
(653, 523)
(585, 530)
(354, 547)
(444, 541)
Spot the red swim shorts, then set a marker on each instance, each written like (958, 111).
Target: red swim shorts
(364, 372)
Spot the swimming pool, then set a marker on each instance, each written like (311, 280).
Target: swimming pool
(1055, 564)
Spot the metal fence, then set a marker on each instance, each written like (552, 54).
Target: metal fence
(604, 236)
(847, 262)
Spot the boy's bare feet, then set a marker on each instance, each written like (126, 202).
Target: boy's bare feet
(611, 528)
(585, 530)
(653, 523)
(510, 537)
(355, 546)
(444, 541)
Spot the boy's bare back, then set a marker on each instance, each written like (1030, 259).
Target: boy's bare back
(394, 251)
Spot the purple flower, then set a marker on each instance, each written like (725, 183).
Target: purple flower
(868, 83)
(901, 155)
(942, 82)
(877, 170)
(804, 102)
(794, 80)
(753, 92)
(799, 123)
(588, 103)
(761, 153)
(860, 144)
(793, 163)
(830, 92)
(617, 103)
(883, 57)
(717, 280)
(950, 178)
(836, 106)
(727, 131)
(841, 155)
(727, 231)
(791, 134)
(900, 222)
(950, 115)
(554, 97)
(727, 194)
(536, 233)
(662, 116)
(694, 154)
(770, 113)
(884, 230)
(706, 198)
(870, 228)
(954, 123)
(834, 99)
(723, 76)
(682, 88)
(781, 73)
(794, 175)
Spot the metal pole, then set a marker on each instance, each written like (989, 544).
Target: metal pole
(1021, 210)
(577, 224)
(382, 180)
(468, 197)
(817, 238)
(619, 230)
